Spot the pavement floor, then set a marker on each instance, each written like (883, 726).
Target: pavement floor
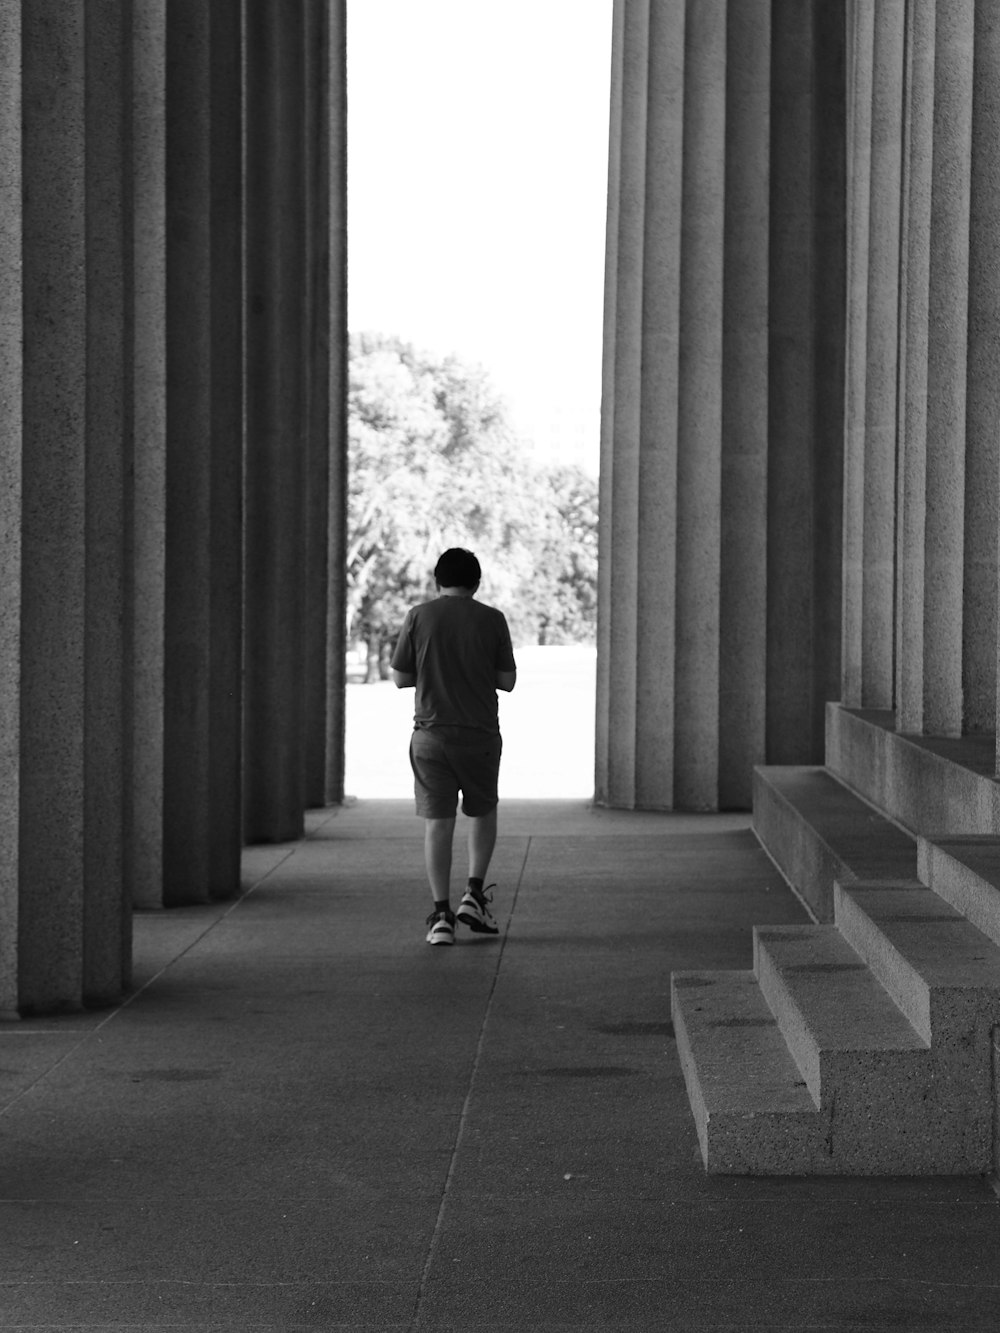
(303, 1117)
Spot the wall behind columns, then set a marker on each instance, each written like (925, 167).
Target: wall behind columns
(719, 591)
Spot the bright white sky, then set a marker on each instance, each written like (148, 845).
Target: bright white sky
(477, 151)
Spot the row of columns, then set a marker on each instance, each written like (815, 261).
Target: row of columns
(923, 378)
(722, 417)
(172, 366)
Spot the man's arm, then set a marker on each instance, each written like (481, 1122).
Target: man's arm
(403, 680)
(506, 680)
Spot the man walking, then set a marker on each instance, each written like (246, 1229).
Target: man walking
(457, 653)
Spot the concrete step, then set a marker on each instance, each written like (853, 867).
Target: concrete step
(886, 1104)
(842, 1028)
(941, 971)
(965, 872)
(929, 784)
(817, 832)
(753, 1112)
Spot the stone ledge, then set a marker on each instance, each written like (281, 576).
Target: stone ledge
(817, 831)
(930, 784)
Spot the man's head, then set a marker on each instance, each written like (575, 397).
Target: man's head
(458, 568)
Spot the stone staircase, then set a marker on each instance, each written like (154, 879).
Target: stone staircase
(862, 1044)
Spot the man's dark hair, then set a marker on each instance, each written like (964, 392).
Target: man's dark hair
(458, 568)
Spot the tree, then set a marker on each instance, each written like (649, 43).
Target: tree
(434, 463)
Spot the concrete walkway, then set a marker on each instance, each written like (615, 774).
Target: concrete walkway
(305, 1118)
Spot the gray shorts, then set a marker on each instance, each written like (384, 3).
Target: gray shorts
(446, 760)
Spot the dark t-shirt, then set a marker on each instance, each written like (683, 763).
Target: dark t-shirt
(455, 646)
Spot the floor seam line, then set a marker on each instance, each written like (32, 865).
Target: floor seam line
(446, 1189)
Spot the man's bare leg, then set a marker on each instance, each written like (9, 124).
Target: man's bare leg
(482, 840)
(438, 835)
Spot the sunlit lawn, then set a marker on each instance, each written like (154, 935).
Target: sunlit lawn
(547, 725)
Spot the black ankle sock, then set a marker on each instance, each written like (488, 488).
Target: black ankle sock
(476, 885)
(443, 906)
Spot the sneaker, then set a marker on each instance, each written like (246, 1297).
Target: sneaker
(474, 912)
(441, 928)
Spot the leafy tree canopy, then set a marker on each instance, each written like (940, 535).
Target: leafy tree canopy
(434, 463)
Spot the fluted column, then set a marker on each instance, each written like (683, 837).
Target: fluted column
(188, 466)
(225, 595)
(335, 108)
(806, 376)
(64, 290)
(882, 344)
(699, 440)
(719, 582)
(316, 300)
(979, 627)
(918, 139)
(947, 367)
(656, 650)
(861, 19)
(13, 539)
(743, 555)
(148, 528)
(621, 411)
(275, 422)
(107, 815)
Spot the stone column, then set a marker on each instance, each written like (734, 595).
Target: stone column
(187, 806)
(63, 716)
(979, 625)
(719, 582)
(336, 681)
(618, 630)
(53, 512)
(882, 343)
(316, 301)
(657, 481)
(699, 436)
(805, 466)
(603, 791)
(148, 545)
(861, 14)
(225, 682)
(275, 422)
(947, 367)
(107, 907)
(743, 556)
(918, 139)
(13, 539)
(201, 816)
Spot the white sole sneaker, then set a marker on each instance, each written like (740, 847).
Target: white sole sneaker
(442, 931)
(477, 915)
